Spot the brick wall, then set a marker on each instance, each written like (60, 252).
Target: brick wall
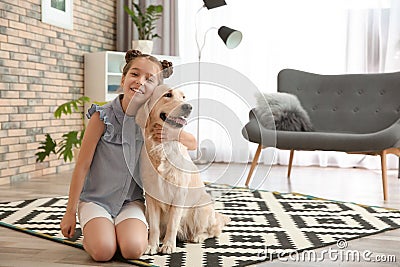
(41, 67)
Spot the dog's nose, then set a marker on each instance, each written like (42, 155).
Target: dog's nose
(186, 107)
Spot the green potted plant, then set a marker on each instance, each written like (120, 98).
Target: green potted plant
(145, 22)
(69, 146)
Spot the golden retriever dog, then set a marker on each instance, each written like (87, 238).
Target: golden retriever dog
(177, 205)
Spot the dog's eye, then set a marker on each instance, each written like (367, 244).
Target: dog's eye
(168, 94)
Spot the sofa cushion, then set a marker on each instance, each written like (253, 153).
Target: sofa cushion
(282, 111)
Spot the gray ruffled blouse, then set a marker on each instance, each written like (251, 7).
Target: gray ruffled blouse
(113, 178)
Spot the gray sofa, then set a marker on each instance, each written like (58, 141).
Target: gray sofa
(354, 113)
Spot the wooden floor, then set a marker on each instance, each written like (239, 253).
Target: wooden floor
(355, 185)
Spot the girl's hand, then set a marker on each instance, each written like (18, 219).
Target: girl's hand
(163, 134)
(68, 224)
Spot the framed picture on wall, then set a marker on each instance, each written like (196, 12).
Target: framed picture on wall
(58, 13)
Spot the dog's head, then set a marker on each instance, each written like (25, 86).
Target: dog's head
(166, 107)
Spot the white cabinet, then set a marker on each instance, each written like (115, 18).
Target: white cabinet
(103, 72)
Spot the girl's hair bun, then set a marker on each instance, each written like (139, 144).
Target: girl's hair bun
(166, 68)
(131, 54)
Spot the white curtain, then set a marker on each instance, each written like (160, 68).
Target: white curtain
(392, 61)
(367, 37)
(309, 35)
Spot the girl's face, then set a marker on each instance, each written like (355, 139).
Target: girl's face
(141, 79)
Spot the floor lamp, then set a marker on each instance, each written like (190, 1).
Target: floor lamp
(231, 39)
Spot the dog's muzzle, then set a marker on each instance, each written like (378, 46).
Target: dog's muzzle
(177, 120)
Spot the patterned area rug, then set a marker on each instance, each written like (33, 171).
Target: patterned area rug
(264, 225)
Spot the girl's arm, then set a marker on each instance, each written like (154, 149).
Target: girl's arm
(93, 132)
(188, 140)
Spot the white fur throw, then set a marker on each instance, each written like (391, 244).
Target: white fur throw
(282, 111)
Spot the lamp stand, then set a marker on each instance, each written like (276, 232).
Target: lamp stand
(231, 38)
(200, 160)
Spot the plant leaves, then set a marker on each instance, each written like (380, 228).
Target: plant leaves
(67, 107)
(100, 103)
(69, 142)
(145, 19)
(47, 147)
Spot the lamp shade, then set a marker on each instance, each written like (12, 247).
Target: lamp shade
(210, 4)
(231, 37)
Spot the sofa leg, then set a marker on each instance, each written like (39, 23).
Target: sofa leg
(253, 164)
(290, 163)
(384, 174)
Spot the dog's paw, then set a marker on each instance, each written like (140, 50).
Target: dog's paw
(151, 250)
(167, 248)
(200, 238)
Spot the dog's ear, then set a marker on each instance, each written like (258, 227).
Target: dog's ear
(142, 114)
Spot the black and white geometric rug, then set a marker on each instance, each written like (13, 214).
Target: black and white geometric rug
(264, 225)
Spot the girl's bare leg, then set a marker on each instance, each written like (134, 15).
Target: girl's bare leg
(100, 239)
(132, 238)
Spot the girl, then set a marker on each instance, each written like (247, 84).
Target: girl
(109, 202)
